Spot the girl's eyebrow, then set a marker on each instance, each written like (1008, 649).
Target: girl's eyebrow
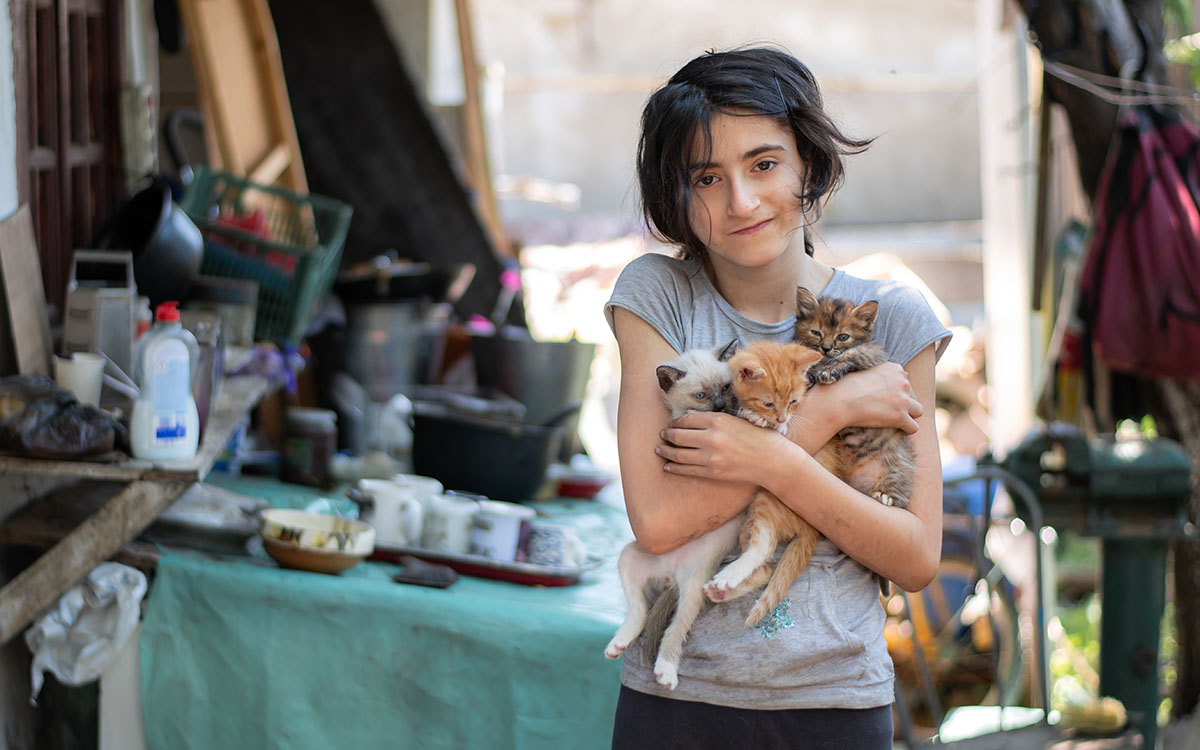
(756, 151)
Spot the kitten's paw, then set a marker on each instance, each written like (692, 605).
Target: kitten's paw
(722, 587)
(756, 615)
(666, 674)
(714, 593)
(614, 649)
(883, 498)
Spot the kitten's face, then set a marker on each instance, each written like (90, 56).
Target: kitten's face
(831, 326)
(770, 381)
(697, 380)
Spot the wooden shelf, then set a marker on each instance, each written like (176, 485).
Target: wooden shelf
(149, 488)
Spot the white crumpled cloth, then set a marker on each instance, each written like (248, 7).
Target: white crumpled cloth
(82, 634)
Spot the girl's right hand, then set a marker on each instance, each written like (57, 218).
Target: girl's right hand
(878, 397)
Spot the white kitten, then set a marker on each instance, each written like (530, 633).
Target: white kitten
(697, 380)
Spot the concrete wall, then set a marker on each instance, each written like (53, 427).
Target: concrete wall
(574, 74)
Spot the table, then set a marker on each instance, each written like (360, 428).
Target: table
(238, 653)
(143, 489)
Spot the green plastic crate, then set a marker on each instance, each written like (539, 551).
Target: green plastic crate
(289, 243)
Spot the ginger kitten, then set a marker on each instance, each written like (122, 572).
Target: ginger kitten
(666, 592)
(770, 380)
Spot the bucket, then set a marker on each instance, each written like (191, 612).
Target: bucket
(545, 376)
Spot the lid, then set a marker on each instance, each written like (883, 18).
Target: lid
(303, 415)
(167, 312)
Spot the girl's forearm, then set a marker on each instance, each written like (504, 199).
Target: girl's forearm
(890, 541)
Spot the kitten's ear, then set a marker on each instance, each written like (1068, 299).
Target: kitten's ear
(668, 376)
(802, 356)
(727, 352)
(865, 314)
(806, 303)
(750, 371)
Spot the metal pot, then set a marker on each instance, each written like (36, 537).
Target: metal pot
(167, 246)
(545, 376)
(393, 346)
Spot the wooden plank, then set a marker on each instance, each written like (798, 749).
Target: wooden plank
(240, 85)
(238, 395)
(21, 273)
(269, 169)
(474, 137)
(89, 544)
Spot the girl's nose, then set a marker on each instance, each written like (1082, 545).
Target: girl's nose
(742, 199)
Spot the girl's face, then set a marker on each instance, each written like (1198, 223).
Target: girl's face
(744, 205)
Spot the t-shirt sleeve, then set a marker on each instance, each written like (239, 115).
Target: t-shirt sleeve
(653, 287)
(910, 324)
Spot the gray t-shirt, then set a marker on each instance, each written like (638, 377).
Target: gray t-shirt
(823, 646)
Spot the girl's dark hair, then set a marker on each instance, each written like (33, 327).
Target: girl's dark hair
(751, 81)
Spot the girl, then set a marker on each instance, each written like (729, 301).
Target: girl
(736, 158)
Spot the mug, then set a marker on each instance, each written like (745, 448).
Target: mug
(394, 512)
(422, 487)
(496, 529)
(82, 374)
(447, 524)
(553, 545)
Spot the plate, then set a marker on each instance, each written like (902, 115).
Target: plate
(475, 565)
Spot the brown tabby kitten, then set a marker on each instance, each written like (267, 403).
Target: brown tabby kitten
(876, 461)
(769, 380)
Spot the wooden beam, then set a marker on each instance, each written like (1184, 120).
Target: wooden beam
(272, 165)
(475, 138)
(92, 542)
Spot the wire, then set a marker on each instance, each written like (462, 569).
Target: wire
(1094, 84)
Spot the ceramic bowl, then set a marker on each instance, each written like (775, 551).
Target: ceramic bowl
(312, 541)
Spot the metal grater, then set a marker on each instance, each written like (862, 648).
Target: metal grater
(100, 312)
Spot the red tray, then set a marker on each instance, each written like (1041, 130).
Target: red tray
(474, 565)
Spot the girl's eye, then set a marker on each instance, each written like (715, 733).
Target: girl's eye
(843, 337)
(706, 180)
(765, 165)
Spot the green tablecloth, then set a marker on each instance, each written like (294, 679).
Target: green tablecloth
(238, 653)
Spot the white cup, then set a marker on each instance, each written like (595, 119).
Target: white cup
(394, 512)
(422, 487)
(447, 524)
(82, 374)
(496, 529)
(552, 544)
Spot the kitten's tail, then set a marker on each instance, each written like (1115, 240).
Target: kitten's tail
(794, 559)
(657, 619)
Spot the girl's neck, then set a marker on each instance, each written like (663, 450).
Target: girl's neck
(768, 293)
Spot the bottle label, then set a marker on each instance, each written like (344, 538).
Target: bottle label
(171, 390)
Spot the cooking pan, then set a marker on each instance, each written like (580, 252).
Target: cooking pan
(501, 458)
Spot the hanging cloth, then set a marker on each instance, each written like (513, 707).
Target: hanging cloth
(1140, 288)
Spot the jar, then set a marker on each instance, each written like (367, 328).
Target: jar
(309, 439)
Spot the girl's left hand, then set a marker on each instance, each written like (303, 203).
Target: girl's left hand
(713, 445)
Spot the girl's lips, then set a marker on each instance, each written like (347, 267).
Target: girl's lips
(752, 228)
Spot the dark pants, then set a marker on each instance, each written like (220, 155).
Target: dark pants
(654, 723)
